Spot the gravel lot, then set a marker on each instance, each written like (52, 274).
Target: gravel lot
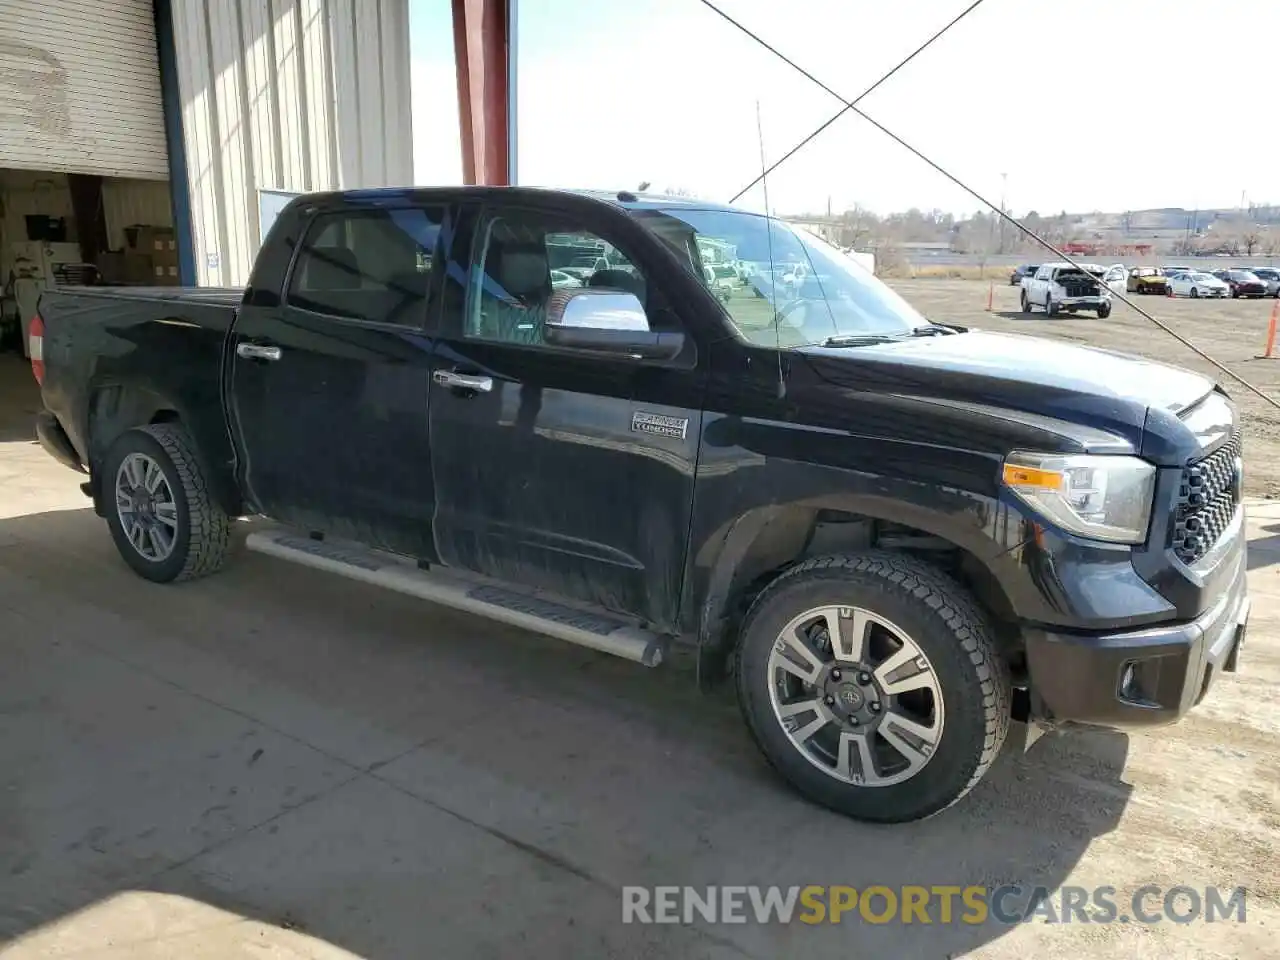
(1233, 332)
(274, 763)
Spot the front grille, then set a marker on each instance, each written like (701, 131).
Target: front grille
(1079, 289)
(1207, 501)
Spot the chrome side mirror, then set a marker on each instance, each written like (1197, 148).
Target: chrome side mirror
(596, 308)
(609, 321)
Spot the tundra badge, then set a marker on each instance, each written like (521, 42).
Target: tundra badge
(657, 424)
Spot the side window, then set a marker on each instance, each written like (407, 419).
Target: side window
(371, 265)
(1042, 273)
(521, 257)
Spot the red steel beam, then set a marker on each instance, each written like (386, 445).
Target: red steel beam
(481, 38)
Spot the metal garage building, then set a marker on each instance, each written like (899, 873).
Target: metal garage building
(174, 114)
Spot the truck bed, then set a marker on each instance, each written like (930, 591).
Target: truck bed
(102, 343)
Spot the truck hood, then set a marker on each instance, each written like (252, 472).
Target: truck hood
(1095, 389)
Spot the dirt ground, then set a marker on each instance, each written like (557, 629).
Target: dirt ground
(1233, 332)
(275, 762)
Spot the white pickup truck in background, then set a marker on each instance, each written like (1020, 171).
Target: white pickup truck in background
(1059, 287)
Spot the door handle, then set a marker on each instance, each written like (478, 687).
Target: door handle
(257, 351)
(463, 381)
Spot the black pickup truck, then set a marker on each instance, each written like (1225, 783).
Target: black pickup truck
(895, 535)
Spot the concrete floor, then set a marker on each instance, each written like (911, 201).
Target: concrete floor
(274, 762)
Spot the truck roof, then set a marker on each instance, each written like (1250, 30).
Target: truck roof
(625, 199)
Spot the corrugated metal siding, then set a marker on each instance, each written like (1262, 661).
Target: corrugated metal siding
(286, 95)
(80, 88)
(126, 202)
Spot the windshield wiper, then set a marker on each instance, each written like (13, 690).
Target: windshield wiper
(862, 339)
(858, 339)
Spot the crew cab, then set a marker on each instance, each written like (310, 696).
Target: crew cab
(1064, 287)
(894, 535)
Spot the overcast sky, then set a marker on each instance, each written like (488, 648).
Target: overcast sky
(1161, 102)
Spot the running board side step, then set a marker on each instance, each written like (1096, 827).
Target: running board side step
(527, 609)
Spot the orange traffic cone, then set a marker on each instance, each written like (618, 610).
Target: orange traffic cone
(1271, 334)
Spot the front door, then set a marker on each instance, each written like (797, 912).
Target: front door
(562, 469)
(329, 387)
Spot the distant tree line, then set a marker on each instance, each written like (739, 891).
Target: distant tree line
(1251, 232)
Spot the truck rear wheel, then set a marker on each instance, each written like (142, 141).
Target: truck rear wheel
(871, 683)
(161, 515)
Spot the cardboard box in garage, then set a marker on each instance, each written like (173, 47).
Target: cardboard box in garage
(151, 240)
(138, 268)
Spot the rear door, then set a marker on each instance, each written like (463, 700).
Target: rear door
(330, 383)
(563, 469)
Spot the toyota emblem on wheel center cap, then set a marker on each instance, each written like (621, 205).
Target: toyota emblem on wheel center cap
(850, 696)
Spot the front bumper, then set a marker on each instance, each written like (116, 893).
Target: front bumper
(1081, 303)
(1139, 677)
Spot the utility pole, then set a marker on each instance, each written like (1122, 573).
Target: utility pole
(1004, 186)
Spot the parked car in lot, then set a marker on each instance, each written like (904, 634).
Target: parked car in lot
(1061, 287)
(1173, 271)
(560, 280)
(894, 535)
(1271, 277)
(1147, 280)
(1026, 270)
(1197, 284)
(1242, 283)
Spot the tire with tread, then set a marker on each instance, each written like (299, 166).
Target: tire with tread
(204, 529)
(943, 619)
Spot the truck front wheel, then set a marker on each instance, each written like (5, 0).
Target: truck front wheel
(872, 684)
(156, 497)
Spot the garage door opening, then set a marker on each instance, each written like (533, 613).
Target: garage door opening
(57, 230)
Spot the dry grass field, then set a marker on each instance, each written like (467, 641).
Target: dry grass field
(1233, 332)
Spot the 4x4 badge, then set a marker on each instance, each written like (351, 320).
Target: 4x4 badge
(659, 425)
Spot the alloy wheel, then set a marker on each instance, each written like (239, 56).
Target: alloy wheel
(856, 695)
(146, 507)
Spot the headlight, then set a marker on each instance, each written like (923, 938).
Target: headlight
(1104, 498)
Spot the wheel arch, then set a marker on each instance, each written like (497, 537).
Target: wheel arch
(762, 544)
(116, 408)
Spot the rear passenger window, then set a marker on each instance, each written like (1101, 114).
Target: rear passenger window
(372, 265)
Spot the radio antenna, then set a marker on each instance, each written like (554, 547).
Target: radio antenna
(773, 275)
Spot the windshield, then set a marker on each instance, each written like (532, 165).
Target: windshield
(1201, 277)
(797, 288)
